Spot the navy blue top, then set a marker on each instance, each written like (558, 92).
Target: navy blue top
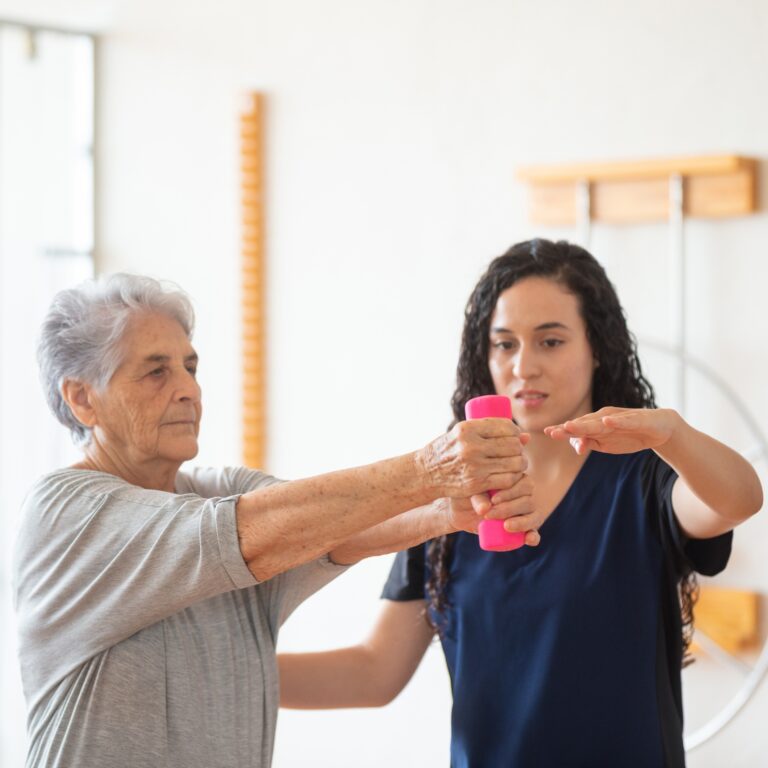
(568, 654)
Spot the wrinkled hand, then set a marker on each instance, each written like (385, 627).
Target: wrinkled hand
(515, 505)
(474, 457)
(618, 430)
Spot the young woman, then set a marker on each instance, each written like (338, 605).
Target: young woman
(569, 653)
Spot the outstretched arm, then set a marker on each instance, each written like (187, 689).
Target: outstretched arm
(284, 525)
(716, 489)
(445, 516)
(370, 674)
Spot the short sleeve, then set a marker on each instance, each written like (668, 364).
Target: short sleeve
(98, 560)
(209, 482)
(705, 556)
(406, 577)
(286, 591)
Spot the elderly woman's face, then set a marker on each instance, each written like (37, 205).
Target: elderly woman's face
(151, 407)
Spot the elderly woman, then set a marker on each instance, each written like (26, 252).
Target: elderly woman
(150, 599)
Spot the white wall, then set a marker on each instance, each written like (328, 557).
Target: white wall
(394, 132)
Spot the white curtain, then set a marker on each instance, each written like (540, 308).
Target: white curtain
(46, 243)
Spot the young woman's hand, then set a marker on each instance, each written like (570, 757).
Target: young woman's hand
(517, 507)
(514, 505)
(618, 430)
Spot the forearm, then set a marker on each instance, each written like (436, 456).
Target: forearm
(370, 674)
(715, 474)
(284, 525)
(345, 677)
(400, 532)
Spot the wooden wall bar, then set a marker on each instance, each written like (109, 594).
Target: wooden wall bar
(253, 272)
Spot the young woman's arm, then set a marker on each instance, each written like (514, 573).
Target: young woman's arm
(717, 488)
(370, 674)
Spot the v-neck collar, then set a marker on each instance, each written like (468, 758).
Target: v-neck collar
(586, 478)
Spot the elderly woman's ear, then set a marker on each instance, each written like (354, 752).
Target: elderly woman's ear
(77, 396)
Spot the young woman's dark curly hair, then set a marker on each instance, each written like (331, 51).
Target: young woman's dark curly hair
(618, 378)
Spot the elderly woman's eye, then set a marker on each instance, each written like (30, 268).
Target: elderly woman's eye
(157, 372)
(192, 369)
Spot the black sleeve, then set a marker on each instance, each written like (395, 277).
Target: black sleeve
(705, 556)
(406, 578)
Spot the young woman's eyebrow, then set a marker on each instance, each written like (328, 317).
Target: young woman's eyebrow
(551, 326)
(542, 327)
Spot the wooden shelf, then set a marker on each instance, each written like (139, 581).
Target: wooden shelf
(730, 617)
(637, 191)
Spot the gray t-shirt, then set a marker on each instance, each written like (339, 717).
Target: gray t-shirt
(144, 638)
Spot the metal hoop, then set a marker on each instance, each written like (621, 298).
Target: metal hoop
(685, 361)
(758, 672)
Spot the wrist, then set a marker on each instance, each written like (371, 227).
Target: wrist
(444, 522)
(426, 477)
(679, 434)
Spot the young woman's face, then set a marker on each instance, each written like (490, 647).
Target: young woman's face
(539, 355)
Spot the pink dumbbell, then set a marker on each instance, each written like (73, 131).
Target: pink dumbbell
(493, 536)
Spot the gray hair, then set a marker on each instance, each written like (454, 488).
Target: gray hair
(81, 334)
